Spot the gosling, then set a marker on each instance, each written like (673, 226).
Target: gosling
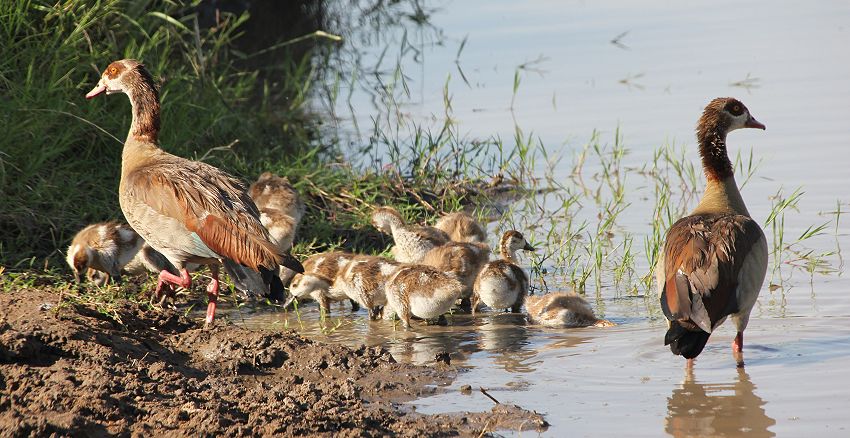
(463, 260)
(502, 284)
(562, 309)
(364, 281)
(281, 210)
(421, 291)
(412, 242)
(461, 227)
(149, 260)
(320, 270)
(104, 247)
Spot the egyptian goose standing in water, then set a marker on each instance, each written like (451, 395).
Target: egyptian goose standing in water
(461, 227)
(411, 241)
(503, 284)
(189, 211)
(715, 259)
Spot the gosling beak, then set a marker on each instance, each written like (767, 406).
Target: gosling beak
(528, 247)
(753, 123)
(99, 89)
(289, 301)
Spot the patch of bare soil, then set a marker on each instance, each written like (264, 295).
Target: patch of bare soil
(66, 369)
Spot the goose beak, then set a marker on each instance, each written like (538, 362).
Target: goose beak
(97, 90)
(753, 123)
(292, 263)
(528, 247)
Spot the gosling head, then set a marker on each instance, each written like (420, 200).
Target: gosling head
(302, 285)
(385, 218)
(724, 115)
(513, 241)
(78, 259)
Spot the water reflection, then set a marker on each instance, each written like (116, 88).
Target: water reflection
(505, 337)
(422, 344)
(717, 409)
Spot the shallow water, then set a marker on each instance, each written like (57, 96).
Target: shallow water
(622, 380)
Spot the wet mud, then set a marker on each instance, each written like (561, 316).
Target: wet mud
(67, 369)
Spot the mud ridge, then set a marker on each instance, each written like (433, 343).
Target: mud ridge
(67, 369)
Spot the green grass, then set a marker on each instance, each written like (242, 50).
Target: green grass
(60, 154)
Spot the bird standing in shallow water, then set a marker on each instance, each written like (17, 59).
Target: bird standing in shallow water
(189, 211)
(503, 284)
(715, 259)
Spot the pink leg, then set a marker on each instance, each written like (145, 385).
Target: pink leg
(167, 279)
(212, 294)
(738, 343)
(690, 364)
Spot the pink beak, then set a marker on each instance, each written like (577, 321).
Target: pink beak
(753, 123)
(99, 89)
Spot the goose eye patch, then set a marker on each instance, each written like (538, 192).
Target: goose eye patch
(736, 109)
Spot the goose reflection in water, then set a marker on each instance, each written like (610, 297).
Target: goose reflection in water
(505, 338)
(717, 409)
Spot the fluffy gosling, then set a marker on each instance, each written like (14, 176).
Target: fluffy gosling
(562, 309)
(412, 242)
(281, 210)
(464, 260)
(461, 227)
(103, 247)
(320, 270)
(502, 284)
(421, 291)
(364, 280)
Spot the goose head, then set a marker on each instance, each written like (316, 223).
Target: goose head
(120, 77)
(724, 115)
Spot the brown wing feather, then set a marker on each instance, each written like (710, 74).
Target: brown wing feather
(703, 257)
(211, 204)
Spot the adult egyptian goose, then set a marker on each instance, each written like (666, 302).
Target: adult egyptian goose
(411, 241)
(714, 259)
(189, 211)
(461, 227)
(503, 284)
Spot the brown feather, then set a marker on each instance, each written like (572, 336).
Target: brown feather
(708, 250)
(210, 203)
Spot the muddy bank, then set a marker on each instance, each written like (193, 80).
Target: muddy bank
(67, 369)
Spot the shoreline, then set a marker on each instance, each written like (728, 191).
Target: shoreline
(68, 369)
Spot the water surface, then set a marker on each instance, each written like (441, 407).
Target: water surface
(787, 61)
